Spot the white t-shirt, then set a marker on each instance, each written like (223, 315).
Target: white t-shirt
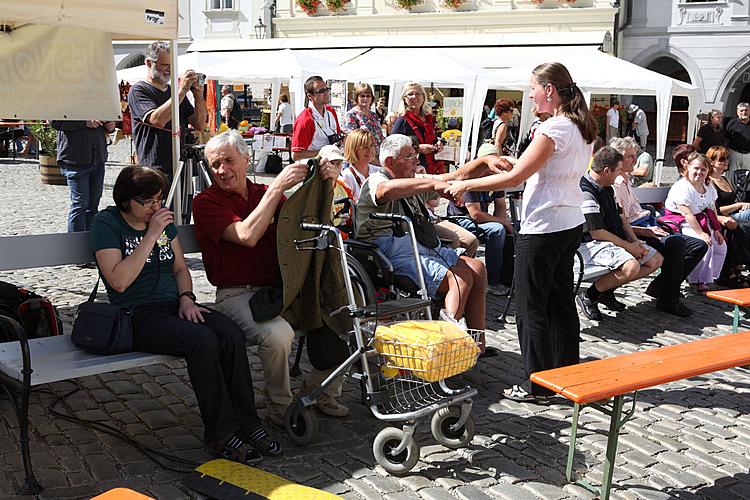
(324, 126)
(226, 103)
(354, 180)
(613, 118)
(285, 111)
(683, 193)
(552, 197)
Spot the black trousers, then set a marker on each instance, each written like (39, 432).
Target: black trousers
(216, 362)
(681, 254)
(546, 315)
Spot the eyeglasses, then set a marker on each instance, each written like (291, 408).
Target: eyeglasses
(721, 159)
(413, 157)
(154, 203)
(321, 91)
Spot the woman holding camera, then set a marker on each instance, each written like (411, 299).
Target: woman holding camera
(144, 270)
(416, 121)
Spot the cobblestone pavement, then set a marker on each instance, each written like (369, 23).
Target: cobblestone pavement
(689, 439)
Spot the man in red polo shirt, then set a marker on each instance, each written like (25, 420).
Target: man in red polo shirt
(235, 222)
(317, 125)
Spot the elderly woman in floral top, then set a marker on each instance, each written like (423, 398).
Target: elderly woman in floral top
(362, 116)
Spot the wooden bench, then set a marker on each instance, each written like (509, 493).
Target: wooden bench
(739, 297)
(589, 384)
(31, 362)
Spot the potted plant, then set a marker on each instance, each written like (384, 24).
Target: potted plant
(310, 7)
(453, 4)
(335, 6)
(46, 137)
(408, 4)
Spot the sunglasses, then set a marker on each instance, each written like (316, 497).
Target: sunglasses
(321, 91)
(721, 159)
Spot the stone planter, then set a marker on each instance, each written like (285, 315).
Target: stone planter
(50, 171)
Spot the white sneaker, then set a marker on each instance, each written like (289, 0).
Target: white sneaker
(498, 290)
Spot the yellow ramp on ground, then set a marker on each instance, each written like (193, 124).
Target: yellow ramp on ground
(260, 482)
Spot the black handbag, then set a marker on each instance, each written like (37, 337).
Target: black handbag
(424, 229)
(267, 302)
(102, 328)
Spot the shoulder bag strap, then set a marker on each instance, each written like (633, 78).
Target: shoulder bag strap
(154, 254)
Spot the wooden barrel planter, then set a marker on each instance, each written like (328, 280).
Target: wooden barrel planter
(50, 172)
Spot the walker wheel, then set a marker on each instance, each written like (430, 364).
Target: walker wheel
(387, 440)
(441, 424)
(300, 424)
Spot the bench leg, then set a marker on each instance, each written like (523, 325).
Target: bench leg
(572, 445)
(736, 319)
(611, 456)
(21, 408)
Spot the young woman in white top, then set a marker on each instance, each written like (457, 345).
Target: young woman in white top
(359, 151)
(693, 197)
(284, 115)
(551, 223)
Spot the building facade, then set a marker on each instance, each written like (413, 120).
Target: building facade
(706, 43)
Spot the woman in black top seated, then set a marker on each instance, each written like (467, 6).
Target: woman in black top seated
(737, 233)
(141, 261)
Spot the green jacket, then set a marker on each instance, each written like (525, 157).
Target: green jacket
(313, 280)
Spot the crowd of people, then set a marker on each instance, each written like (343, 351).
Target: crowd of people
(577, 197)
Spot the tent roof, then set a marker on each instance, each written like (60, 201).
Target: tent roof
(246, 66)
(593, 71)
(146, 19)
(418, 64)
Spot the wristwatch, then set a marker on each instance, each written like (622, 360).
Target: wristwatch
(189, 294)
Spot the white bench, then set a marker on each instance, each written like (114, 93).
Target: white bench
(31, 362)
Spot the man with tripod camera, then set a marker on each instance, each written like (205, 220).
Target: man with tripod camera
(150, 102)
(317, 125)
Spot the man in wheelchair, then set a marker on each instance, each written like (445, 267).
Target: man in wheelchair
(395, 189)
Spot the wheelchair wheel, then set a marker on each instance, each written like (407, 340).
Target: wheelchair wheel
(386, 441)
(300, 424)
(441, 424)
(364, 290)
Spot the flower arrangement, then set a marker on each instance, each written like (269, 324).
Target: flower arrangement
(453, 4)
(334, 6)
(310, 7)
(408, 4)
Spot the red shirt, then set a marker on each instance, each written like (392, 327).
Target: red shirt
(228, 263)
(304, 129)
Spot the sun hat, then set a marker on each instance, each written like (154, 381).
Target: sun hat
(487, 149)
(633, 108)
(331, 153)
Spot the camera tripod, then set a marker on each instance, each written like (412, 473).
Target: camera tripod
(192, 177)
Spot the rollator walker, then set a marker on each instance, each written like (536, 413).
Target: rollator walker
(395, 385)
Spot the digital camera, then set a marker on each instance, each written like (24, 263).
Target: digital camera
(335, 139)
(201, 78)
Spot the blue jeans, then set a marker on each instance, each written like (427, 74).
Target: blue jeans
(86, 184)
(742, 215)
(493, 247)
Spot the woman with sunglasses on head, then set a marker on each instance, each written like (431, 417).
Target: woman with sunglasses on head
(362, 116)
(551, 222)
(143, 268)
(727, 201)
(416, 121)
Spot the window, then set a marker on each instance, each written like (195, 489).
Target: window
(221, 4)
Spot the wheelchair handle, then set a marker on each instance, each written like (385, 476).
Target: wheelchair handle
(308, 226)
(390, 217)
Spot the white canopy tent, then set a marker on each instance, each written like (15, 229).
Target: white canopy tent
(55, 66)
(395, 67)
(249, 67)
(597, 73)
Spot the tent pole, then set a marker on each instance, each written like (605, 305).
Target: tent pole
(175, 136)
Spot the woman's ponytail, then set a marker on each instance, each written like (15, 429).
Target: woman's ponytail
(572, 103)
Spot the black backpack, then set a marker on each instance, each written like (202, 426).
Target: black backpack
(485, 129)
(235, 116)
(36, 315)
